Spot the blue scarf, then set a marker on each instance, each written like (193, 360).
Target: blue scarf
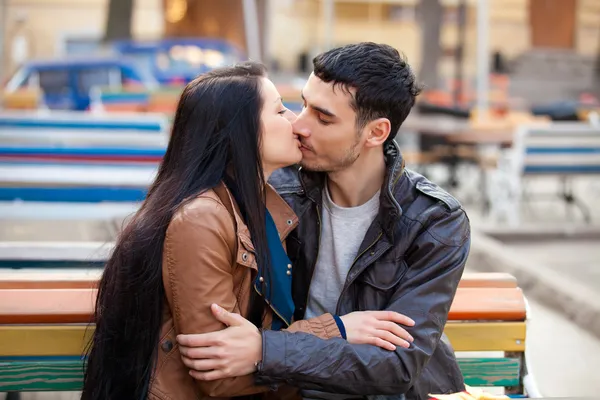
(276, 285)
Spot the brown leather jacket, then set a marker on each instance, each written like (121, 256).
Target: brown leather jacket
(209, 258)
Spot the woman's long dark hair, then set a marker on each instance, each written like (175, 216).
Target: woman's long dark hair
(216, 129)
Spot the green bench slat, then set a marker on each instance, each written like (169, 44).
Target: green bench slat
(47, 375)
(490, 371)
(41, 376)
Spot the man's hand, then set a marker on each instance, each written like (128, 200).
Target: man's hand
(379, 328)
(231, 352)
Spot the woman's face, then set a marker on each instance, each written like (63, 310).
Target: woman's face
(280, 146)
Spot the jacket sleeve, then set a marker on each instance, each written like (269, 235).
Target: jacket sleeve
(436, 261)
(197, 271)
(323, 326)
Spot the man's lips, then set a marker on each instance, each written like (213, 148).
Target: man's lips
(304, 147)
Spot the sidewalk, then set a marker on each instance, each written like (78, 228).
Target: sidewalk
(554, 255)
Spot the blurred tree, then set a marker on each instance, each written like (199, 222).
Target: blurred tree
(118, 21)
(431, 13)
(597, 67)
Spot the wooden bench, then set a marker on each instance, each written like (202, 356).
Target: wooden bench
(564, 150)
(45, 325)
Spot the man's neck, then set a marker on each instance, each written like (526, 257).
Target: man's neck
(358, 183)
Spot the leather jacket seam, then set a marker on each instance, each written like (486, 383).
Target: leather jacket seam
(171, 274)
(159, 393)
(465, 236)
(167, 358)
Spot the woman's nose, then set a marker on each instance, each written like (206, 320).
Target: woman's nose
(291, 116)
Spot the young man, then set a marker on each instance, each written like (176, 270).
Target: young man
(373, 235)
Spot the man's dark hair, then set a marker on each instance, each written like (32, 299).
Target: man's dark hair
(384, 82)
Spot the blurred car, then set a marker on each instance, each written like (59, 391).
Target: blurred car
(66, 83)
(176, 61)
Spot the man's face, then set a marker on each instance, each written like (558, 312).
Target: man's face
(327, 127)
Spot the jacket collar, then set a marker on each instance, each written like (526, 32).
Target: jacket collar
(389, 208)
(284, 217)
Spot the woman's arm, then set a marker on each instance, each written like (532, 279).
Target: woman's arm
(197, 271)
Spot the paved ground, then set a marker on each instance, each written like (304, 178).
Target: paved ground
(579, 260)
(564, 359)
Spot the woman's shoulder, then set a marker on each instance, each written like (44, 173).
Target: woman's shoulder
(205, 210)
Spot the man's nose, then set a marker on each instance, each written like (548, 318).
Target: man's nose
(299, 127)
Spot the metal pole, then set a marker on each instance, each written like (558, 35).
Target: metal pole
(251, 27)
(3, 53)
(460, 51)
(483, 64)
(328, 17)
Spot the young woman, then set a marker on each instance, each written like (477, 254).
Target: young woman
(210, 231)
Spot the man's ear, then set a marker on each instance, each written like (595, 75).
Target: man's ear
(378, 131)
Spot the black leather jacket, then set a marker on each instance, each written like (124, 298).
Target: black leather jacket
(410, 261)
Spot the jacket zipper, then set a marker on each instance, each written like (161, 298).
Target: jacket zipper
(316, 259)
(348, 283)
(318, 244)
(271, 307)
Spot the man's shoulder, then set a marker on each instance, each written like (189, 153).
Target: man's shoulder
(432, 208)
(419, 193)
(286, 180)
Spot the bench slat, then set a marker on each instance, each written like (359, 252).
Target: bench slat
(487, 279)
(489, 336)
(44, 340)
(80, 275)
(37, 278)
(71, 277)
(490, 371)
(70, 340)
(41, 376)
(67, 374)
(499, 304)
(49, 306)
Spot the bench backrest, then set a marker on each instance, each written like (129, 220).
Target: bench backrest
(557, 149)
(149, 123)
(60, 305)
(45, 326)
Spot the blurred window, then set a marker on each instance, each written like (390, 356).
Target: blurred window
(88, 78)
(54, 81)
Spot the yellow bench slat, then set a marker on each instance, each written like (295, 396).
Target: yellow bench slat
(44, 340)
(70, 340)
(489, 336)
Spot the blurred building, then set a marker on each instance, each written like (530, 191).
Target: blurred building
(292, 31)
(53, 28)
(516, 26)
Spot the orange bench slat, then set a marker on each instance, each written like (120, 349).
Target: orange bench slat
(49, 280)
(48, 306)
(489, 304)
(488, 279)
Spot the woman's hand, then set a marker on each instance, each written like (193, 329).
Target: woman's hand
(379, 328)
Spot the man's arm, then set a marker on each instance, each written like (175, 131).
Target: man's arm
(435, 265)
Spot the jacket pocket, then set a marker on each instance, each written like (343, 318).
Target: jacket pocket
(384, 275)
(378, 283)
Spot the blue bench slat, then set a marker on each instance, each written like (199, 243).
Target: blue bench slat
(146, 126)
(562, 169)
(73, 194)
(128, 151)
